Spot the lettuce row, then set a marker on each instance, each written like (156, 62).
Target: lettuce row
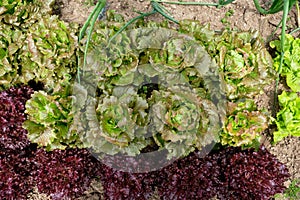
(131, 64)
(287, 119)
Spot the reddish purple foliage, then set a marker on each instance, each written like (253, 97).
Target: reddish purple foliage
(15, 175)
(15, 149)
(120, 185)
(231, 173)
(251, 174)
(12, 107)
(64, 173)
(190, 178)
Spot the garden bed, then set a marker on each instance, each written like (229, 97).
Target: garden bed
(241, 15)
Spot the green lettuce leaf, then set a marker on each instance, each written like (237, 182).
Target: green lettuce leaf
(10, 44)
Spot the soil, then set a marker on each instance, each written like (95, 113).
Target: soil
(244, 17)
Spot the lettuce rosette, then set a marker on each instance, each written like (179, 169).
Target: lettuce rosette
(241, 56)
(183, 121)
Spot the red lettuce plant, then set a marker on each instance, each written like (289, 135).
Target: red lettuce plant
(15, 174)
(251, 174)
(12, 107)
(15, 149)
(64, 173)
(231, 173)
(190, 178)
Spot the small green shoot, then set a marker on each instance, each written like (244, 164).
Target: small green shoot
(292, 192)
(224, 20)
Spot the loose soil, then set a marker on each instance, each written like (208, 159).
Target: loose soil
(244, 17)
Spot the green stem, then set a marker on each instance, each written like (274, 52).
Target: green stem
(218, 5)
(259, 8)
(298, 13)
(130, 22)
(160, 9)
(90, 21)
(282, 43)
(295, 30)
(187, 3)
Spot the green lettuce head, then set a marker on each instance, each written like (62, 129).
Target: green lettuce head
(48, 53)
(183, 121)
(23, 13)
(241, 56)
(244, 125)
(117, 125)
(49, 120)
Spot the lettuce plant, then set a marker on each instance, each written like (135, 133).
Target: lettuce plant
(241, 56)
(64, 174)
(10, 44)
(251, 174)
(12, 107)
(243, 125)
(23, 13)
(35, 46)
(288, 118)
(181, 120)
(47, 55)
(124, 185)
(291, 59)
(15, 150)
(50, 126)
(15, 171)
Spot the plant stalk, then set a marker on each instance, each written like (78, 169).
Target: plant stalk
(282, 43)
(90, 22)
